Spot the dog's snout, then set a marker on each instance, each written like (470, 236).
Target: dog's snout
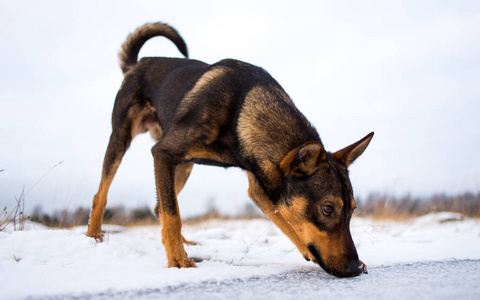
(352, 268)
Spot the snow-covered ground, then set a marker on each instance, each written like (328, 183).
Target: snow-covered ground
(428, 257)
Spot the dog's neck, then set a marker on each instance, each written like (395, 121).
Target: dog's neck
(270, 126)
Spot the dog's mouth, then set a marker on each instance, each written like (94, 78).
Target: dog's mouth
(351, 268)
(316, 256)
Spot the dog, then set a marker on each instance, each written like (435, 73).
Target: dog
(231, 114)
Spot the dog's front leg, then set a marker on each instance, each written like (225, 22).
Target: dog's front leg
(169, 212)
(257, 194)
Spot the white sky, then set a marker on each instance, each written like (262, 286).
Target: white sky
(408, 70)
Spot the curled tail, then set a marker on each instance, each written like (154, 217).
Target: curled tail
(129, 53)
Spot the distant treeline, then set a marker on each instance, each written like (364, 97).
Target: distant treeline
(118, 215)
(381, 206)
(376, 206)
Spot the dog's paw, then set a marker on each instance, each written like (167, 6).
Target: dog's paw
(182, 263)
(364, 267)
(98, 236)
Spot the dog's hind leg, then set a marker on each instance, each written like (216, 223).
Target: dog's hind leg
(117, 146)
(257, 194)
(129, 120)
(165, 169)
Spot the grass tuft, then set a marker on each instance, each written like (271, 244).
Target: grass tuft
(16, 216)
(19, 217)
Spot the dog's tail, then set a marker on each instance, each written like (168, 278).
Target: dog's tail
(129, 53)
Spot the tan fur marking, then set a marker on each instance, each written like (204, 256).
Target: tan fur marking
(263, 126)
(173, 241)
(251, 129)
(99, 203)
(330, 246)
(154, 127)
(143, 121)
(258, 196)
(293, 213)
(298, 207)
(269, 168)
(338, 202)
(287, 161)
(200, 85)
(205, 154)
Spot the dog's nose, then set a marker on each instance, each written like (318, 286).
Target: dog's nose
(353, 268)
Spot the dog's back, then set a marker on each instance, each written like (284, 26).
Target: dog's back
(231, 107)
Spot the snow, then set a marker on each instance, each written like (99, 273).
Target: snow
(41, 262)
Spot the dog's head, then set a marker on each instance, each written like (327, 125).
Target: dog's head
(318, 203)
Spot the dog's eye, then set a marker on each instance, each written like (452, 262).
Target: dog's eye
(327, 210)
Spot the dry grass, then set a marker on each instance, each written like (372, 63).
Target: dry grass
(385, 207)
(16, 216)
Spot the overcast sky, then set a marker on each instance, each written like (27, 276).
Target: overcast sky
(408, 70)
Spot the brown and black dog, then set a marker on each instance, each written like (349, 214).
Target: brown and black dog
(231, 114)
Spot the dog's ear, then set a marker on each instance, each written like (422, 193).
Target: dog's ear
(304, 160)
(350, 153)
